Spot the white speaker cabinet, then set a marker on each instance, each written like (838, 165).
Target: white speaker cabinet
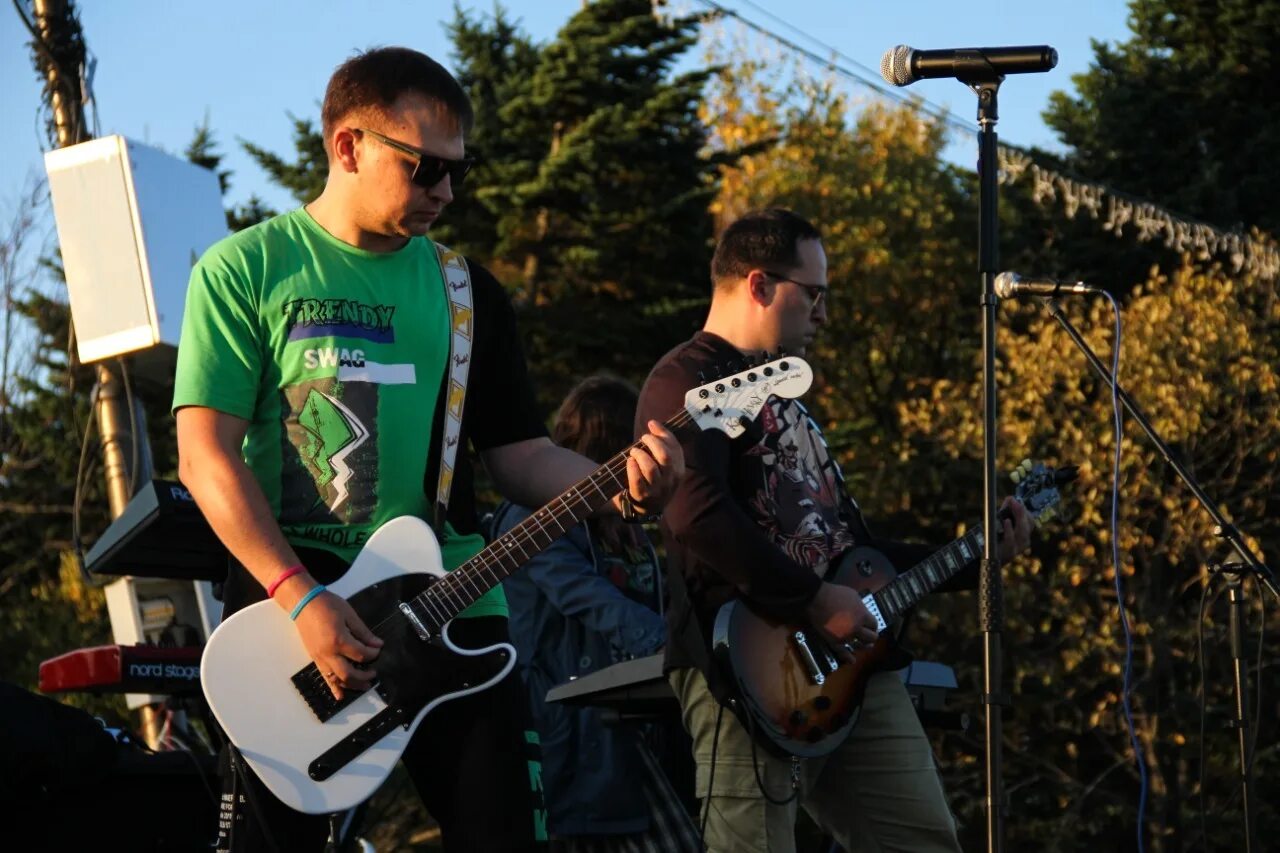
(132, 220)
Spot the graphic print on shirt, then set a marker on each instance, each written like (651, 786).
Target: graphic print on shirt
(329, 475)
(339, 318)
(798, 497)
(346, 319)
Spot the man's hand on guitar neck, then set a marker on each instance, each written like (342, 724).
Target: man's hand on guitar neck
(1015, 529)
(838, 612)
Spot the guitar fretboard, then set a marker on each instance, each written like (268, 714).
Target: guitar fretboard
(905, 591)
(462, 587)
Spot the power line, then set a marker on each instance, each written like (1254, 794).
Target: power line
(865, 77)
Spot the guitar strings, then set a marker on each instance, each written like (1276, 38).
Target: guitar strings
(461, 587)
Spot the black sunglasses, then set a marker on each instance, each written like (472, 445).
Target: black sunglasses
(815, 292)
(430, 169)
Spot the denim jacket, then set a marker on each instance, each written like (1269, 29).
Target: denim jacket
(569, 619)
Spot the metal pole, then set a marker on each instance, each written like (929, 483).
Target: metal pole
(991, 591)
(124, 439)
(1241, 722)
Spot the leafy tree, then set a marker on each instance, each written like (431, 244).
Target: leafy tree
(899, 387)
(899, 250)
(1185, 113)
(1200, 358)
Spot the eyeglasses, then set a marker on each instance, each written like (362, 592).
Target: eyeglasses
(815, 292)
(430, 169)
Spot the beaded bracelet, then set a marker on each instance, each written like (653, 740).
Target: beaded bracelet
(305, 600)
(284, 575)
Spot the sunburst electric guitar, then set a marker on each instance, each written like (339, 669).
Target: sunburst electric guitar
(794, 692)
(318, 754)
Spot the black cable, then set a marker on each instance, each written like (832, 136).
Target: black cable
(1257, 700)
(241, 771)
(1204, 689)
(938, 110)
(77, 131)
(755, 766)
(184, 747)
(77, 498)
(133, 426)
(925, 107)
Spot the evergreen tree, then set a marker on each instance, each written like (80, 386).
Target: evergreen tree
(48, 605)
(305, 177)
(203, 151)
(607, 227)
(494, 62)
(1186, 113)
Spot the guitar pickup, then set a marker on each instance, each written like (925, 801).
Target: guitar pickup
(806, 656)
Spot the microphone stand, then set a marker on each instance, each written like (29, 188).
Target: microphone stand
(1249, 562)
(990, 592)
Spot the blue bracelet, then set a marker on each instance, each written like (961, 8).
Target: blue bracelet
(306, 599)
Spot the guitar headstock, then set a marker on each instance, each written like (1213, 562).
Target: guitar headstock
(729, 403)
(1036, 487)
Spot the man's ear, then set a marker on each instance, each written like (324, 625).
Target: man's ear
(343, 148)
(760, 287)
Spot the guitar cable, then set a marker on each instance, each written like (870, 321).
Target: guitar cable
(240, 779)
(1127, 680)
(755, 766)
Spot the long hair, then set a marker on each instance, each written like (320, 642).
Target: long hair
(596, 417)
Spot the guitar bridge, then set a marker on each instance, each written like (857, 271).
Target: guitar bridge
(418, 627)
(806, 655)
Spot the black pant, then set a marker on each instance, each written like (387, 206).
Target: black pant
(469, 760)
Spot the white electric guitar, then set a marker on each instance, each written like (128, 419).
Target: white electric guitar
(318, 754)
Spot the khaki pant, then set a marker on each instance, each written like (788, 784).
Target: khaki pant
(878, 791)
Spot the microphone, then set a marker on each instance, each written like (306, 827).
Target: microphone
(904, 65)
(1010, 284)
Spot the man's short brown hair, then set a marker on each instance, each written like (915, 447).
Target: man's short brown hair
(761, 239)
(373, 80)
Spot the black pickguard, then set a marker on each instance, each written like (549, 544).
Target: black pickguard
(411, 672)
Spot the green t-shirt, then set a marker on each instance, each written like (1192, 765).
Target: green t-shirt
(335, 355)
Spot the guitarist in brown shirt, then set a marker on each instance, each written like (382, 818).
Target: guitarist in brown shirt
(761, 518)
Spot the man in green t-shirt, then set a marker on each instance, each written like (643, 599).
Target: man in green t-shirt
(309, 411)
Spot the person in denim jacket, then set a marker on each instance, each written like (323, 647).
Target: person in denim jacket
(591, 600)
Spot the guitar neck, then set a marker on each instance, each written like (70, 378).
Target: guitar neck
(905, 591)
(463, 586)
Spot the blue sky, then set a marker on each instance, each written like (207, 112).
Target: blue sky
(162, 67)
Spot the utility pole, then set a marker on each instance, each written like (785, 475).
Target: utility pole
(126, 450)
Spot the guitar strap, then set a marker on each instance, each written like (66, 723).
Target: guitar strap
(457, 284)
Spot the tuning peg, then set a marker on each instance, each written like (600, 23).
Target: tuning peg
(1016, 476)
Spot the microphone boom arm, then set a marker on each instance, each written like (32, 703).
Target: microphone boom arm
(1222, 528)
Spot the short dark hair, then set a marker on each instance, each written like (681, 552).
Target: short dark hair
(596, 417)
(760, 239)
(373, 80)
